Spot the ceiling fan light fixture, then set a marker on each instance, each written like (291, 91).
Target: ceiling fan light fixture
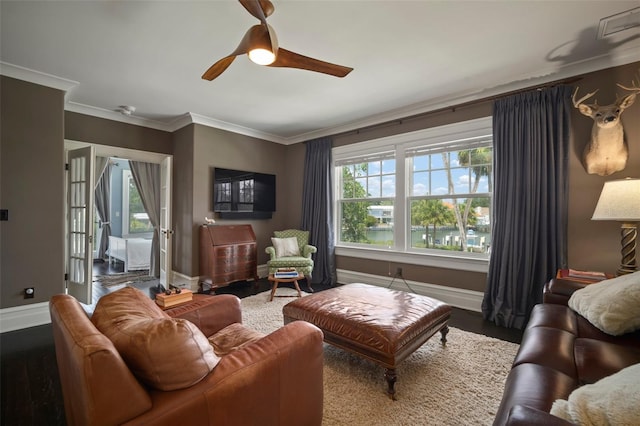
(262, 56)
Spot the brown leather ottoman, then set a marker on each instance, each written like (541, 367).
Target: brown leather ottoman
(382, 325)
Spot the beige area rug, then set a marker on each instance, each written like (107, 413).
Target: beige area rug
(123, 278)
(458, 384)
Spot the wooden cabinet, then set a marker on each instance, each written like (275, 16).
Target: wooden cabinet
(228, 253)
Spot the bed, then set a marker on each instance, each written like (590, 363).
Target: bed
(134, 252)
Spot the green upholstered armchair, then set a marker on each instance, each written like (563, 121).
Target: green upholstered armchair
(301, 260)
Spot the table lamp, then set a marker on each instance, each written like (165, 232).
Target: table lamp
(620, 201)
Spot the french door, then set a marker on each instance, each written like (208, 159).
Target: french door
(80, 211)
(166, 233)
(80, 187)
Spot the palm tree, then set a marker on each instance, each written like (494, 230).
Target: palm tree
(434, 212)
(479, 160)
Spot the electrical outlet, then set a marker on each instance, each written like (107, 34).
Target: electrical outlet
(29, 292)
(398, 272)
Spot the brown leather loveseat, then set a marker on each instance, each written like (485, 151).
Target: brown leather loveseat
(162, 370)
(560, 352)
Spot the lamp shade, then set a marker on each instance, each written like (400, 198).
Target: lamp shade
(619, 200)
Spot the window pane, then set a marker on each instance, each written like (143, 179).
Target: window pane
(421, 162)
(389, 166)
(439, 182)
(436, 161)
(138, 218)
(434, 224)
(460, 179)
(367, 223)
(420, 185)
(389, 186)
(374, 186)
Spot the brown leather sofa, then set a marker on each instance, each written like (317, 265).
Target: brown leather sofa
(271, 380)
(560, 351)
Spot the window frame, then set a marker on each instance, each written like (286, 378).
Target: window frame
(401, 251)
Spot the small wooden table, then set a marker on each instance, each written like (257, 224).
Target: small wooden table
(278, 280)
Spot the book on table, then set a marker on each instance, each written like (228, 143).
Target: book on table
(167, 300)
(587, 275)
(286, 273)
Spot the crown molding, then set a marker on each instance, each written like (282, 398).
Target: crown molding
(116, 116)
(37, 77)
(234, 128)
(622, 57)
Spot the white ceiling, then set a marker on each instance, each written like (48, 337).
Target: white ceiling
(408, 57)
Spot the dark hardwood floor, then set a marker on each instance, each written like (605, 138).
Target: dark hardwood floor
(30, 392)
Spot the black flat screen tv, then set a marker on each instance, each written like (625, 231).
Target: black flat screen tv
(239, 194)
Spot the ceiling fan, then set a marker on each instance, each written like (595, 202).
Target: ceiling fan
(261, 45)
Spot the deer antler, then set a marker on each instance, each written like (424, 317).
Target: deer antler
(582, 99)
(635, 87)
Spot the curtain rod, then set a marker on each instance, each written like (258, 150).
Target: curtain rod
(453, 108)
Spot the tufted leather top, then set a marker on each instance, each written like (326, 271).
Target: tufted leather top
(386, 323)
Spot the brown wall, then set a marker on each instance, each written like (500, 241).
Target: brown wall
(182, 199)
(32, 189)
(219, 148)
(85, 128)
(595, 245)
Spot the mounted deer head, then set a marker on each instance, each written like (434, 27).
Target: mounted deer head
(607, 151)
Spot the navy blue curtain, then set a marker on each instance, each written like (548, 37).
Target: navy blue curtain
(529, 238)
(317, 212)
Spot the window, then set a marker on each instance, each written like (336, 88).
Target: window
(367, 196)
(450, 196)
(425, 194)
(135, 219)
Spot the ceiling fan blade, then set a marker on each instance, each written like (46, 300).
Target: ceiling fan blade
(258, 8)
(288, 59)
(218, 68)
(258, 34)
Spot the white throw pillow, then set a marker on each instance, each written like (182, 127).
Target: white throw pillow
(612, 400)
(611, 305)
(286, 246)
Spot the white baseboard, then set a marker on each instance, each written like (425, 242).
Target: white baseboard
(185, 281)
(263, 271)
(458, 297)
(19, 317)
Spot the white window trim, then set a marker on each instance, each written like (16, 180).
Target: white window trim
(401, 253)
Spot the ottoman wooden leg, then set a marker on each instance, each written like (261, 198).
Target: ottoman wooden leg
(444, 332)
(390, 375)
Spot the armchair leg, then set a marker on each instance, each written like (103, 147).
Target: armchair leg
(308, 279)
